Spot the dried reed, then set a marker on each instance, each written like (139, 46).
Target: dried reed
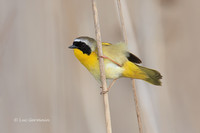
(102, 70)
(133, 82)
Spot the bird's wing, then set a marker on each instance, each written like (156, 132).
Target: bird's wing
(116, 52)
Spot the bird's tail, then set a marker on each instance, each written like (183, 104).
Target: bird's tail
(139, 72)
(153, 76)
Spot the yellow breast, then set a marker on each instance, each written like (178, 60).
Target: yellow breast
(91, 62)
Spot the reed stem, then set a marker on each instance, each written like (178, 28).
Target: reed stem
(133, 82)
(102, 69)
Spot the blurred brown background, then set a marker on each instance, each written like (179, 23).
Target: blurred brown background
(41, 79)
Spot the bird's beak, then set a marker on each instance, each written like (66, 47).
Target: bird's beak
(72, 47)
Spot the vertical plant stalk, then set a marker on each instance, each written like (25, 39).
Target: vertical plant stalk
(119, 5)
(102, 70)
(133, 82)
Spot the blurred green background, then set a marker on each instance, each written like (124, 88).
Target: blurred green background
(40, 78)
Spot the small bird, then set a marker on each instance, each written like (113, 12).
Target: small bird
(117, 60)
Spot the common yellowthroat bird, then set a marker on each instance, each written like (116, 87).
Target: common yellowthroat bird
(117, 60)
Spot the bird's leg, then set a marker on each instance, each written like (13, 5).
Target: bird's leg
(111, 84)
(105, 57)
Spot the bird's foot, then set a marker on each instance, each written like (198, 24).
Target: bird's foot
(104, 92)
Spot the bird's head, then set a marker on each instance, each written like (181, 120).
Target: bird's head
(85, 44)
